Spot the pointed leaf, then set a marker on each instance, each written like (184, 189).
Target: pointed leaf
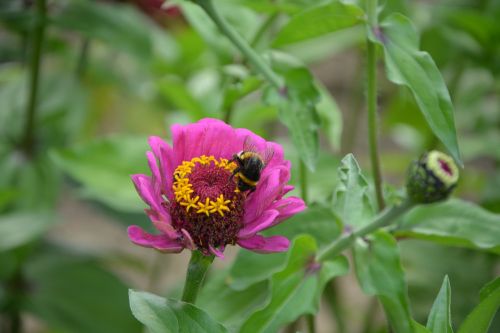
(351, 197)
(379, 273)
(407, 65)
(162, 315)
(439, 320)
(479, 320)
(454, 222)
(318, 21)
(295, 290)
(297, 111)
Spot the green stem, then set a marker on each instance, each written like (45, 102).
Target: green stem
(369, 315)
(197, 269)
(382, 220)
(333, 299)
(311, 324)
(82, 58)
(303, 182)
(252, 56)
(372, 104)
(36, 52)
(262, 29)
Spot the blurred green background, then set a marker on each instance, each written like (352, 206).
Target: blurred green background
(114, 72)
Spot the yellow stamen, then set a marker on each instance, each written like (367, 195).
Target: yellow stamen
(204, 207)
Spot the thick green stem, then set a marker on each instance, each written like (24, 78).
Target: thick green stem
(262, 29)
(382, 220)
(303, 182)
(36, 52)
(371, 96)
(255, 59)
(197, 269)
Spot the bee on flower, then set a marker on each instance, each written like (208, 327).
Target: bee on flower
(199, 191)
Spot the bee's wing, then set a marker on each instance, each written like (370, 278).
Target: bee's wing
(268, 155)
(249, 145)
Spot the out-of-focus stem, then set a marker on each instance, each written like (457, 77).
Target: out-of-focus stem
(36, 52)
(303, 182)
(311, 324)
(83, 58)
(372, 104)
(332, 297)
(255, 59)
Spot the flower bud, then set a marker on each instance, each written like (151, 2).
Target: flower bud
(431, 178)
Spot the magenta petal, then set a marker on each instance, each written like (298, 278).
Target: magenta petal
(155, 171)
(288, 207)
(188, 240)
(216, 252)
(262, 244)
(164, 154)
(160, 242)
(144, 187)
(268, 190)
(264, 221)
(162, 222)
(206, 137)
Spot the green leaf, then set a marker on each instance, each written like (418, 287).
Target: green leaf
(351, 198)
(379, 273)
(250, 268)
(479, 320)
(177, 93)
(319, 21)
(415, 69)
(117, 25)
(454, 222)
(318, 221)
(17, 229)
(104, 166)
(162, 315)
(298, 112)
(74, 294)
(295, 290)
(439, 320)
(227, 305)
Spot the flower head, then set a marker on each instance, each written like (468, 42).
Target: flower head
(431, 178)
(193, 195)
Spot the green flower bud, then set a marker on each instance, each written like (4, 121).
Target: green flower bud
(431, 178)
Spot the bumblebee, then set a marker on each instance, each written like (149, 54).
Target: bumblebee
(250, 162)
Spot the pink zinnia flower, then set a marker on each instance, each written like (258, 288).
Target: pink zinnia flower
(194, 203)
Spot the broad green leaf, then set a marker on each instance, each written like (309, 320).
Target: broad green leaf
(297, 111)
(295, 290)
(317, 220)
(227, 305)
(74, 294)
(104, 167)
(351, 199)
(478, 321)
(118, 25)
(407, 65)
(162, 315)
(439, 320)
(17, 229)
(250, 268)
(379, 273)
(454, 222)
(318, 21)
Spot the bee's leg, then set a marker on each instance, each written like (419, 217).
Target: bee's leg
(235, 171)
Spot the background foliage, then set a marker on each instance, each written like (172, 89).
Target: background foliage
(114, 72)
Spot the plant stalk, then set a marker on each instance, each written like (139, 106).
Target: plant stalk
(303, 182)
(197, 269)
(255, 59)
(371, 96)
(382, 220)
(38, 33)
(311, 324)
